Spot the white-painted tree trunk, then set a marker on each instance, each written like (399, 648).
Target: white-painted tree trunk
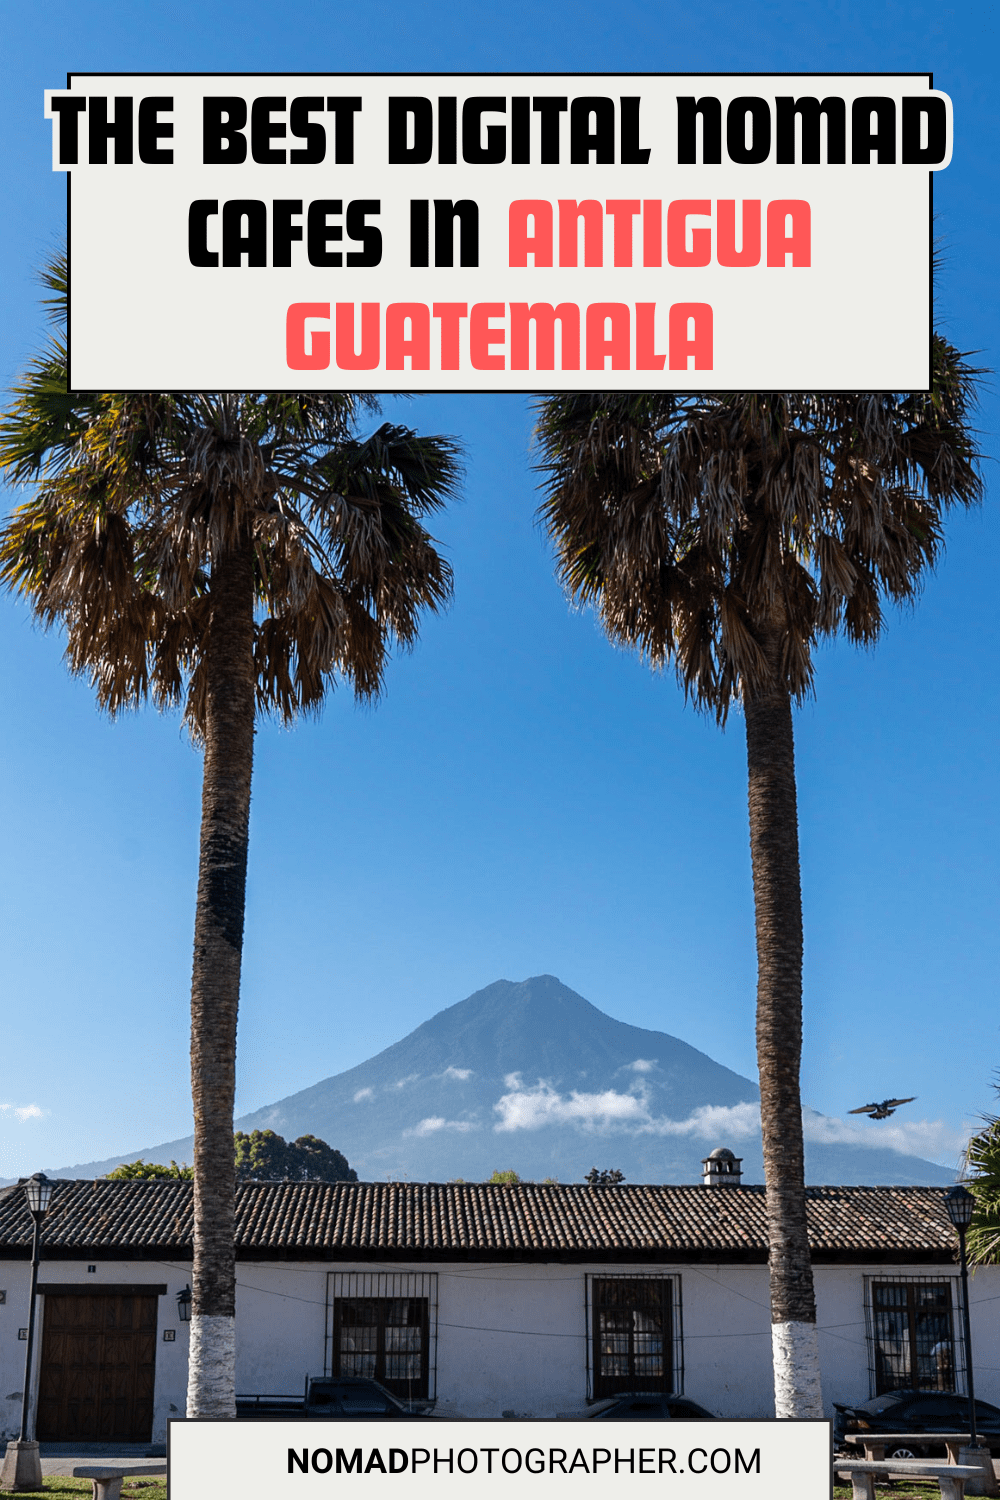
(212, 1367)
(797, 1388)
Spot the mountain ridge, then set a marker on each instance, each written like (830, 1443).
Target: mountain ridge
(532, 1075)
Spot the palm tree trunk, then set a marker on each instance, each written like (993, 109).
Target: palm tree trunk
(774, 847)
(215, 982)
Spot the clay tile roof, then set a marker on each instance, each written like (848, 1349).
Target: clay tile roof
(366, 1220)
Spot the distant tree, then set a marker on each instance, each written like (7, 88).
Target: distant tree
(319, 1162)
(130, 1170)
(509, 1177)
(261, 1155)
(982, 1172)
(610, 1178)
(265, 1156)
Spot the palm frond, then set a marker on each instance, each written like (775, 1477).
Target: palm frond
(698, 525)
(135, 497)
(981, 1170)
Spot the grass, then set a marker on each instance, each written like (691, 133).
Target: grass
(140, 1488)
(155, 1488)
(899, 1489)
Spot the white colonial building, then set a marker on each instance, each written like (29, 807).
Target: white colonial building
(482, 1299)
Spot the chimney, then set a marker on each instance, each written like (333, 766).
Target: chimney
(721, 1168)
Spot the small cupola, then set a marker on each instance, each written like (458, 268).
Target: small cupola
(721, 1168)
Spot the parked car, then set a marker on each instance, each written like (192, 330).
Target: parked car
(916, 1411)
(329, 1398)
(651, 1407)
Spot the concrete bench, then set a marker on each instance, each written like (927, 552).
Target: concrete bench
(875, 1443)
(864, 1472)
(108, 1481)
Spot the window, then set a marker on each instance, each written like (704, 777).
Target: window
(635, 1327)
(384, 1338)
(382, 1326)
(912, 1335)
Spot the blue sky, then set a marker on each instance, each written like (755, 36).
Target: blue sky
(525, 799)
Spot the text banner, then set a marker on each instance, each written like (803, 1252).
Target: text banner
(500, 232)
(585, 1460)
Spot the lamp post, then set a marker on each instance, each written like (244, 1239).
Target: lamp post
(22, 1469)
(961, 1205)
(38, 1190)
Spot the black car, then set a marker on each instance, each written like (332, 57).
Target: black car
(652, 1407)
(916, 1411)
(329, 1398)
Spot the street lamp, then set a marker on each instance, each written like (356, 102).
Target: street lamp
(22, 1469)
(38, 1191)
(961, 1205)
(184, 1305)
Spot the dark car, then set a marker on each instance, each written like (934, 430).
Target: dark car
(329, 1398)
(916, 1412)
(353, 1396)
(651, 1407)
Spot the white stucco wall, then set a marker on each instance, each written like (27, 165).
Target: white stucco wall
(509, 1337)
(727, 1339)
(535, 1366)
(513, 1336)
(280, 1323)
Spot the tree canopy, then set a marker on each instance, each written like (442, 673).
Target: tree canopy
(261, 1156)
(138, 497)
(694, 523)
(130, 1171)
(265, 1156)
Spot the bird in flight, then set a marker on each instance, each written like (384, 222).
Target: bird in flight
(881, 1111)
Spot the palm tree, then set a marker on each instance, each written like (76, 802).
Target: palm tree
(235, 555)
(982, 1176)
(726, 535)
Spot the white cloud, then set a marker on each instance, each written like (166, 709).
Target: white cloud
(530, 1109)
(364, 1094)
(642, 1065)
(435, 1123)
(713, 1122)
(461, 1074)
(402, 1082)
(23, 1111)
(933, 1139)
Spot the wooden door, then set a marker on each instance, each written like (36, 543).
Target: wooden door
(98, 1364)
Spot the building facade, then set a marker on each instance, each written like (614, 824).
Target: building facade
(481, 1299)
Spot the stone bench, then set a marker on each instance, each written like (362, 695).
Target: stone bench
(864, 1472)
(108, 1481)
(876, 1443)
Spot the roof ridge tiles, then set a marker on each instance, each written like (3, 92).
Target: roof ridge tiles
(540, 1218)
